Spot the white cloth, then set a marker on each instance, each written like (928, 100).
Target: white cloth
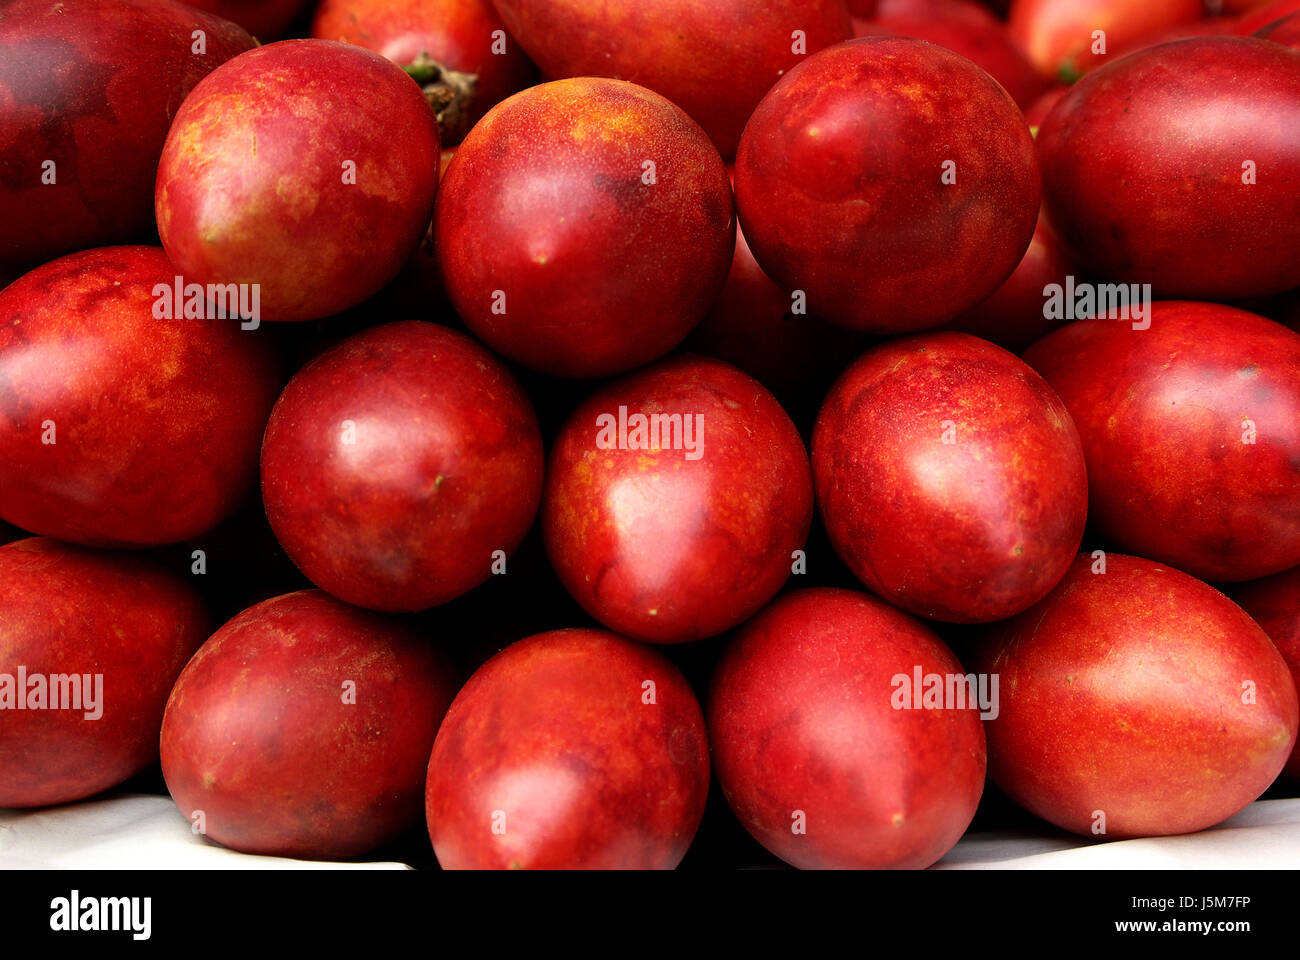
(135, 831)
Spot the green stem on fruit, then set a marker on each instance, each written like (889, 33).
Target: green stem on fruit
(450, 94)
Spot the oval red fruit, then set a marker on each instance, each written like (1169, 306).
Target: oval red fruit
(675, 499)
(87, 92)
(569, 749)
(892, 180)
(1215, 217)
(398, 464)
(950, 478)
(91, 642)
(1136, 701)
(302, 728)
(1191, 429)
(119, 428)
(818, 752)
(585, 226)
(280, 171)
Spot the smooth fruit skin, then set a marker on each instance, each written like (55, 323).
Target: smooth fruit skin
(1274, 603)
(302, 727)
(69, 610)
(950, 478)
(265, 19)
(715, 60)
(973, 32)
(456, 33)
(254, 185)
(800, 719)
(573, 749)
(1125, 692)
(839, 184)
(562, 250)
(92, 87)
(1014, 316)
(666, 549)
(1058, 35)
(1143, 168)
(154, 423)
(396, 464)
(1191, 430)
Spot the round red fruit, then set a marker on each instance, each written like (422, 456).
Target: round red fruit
(123, 421)
(280, 171)
(574, 749)
(400, 466)
(1135, 702)
(950, 478)
(90, 645)
(676, 500)
(302, 729)
(893, 181)
(822, 750)
(585, 227)
(1191, 429)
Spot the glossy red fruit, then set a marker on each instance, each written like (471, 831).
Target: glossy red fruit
(1138, 702)
(844, 163)
(715, 60)
(1060, 36)
(679, 527)
(90, 87)
(280, 170)
(464, 35)
(103, 636)
(302, 728)
(1285, 31)
(265, 19)
(397, 464)
(570, 749)
(950, 478)
(973, 32)
(1274, 603)
(119, 428)
(585, 226)
(1118, 193)
(805, 731)
(1192, 434)
(1015, 315)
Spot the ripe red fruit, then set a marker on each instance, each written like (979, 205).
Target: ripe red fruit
(569, 749)
(893, 153)
(714, 60)
(1060, 35)
(669, 532)
(398, 463)
(1274, 603)
(1118, 192)
(121, 630)
(1192, 434)
(804, 730)
(279, 170)
(90, 87)
(117, 428)
(1014, 316)
(302, 728)
(1139, 694)
(973, 32)
(585, 226)
(464, 35)
(265, 19)
(950, 478)
(1285, 31)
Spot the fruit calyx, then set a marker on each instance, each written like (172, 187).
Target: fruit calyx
(450, 94)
